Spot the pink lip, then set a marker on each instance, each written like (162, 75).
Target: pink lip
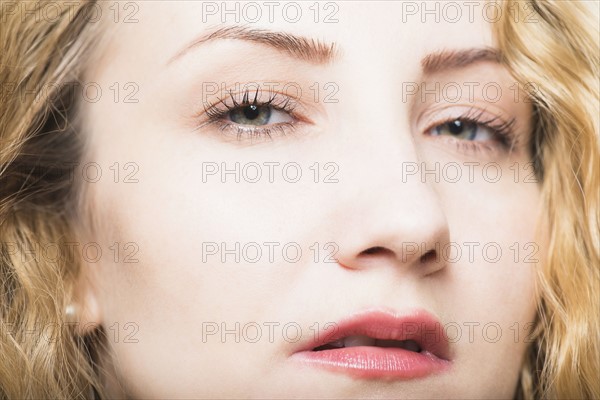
(371, 362)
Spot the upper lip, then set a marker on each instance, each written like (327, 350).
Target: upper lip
(419, 326)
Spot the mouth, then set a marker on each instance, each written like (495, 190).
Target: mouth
(379, 345)
(361, 340)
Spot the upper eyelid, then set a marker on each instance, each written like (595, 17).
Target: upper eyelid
(250, 94)
(429, 116)
(280, 101)
(262, 87)
(274, 101)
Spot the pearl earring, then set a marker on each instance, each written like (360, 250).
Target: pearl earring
(70, 312)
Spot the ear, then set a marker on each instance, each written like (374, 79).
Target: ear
(85, 307)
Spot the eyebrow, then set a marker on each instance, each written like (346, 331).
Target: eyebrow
(452, 59)
(317, 52)
(302, 48)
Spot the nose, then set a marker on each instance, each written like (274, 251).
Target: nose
(392, 222)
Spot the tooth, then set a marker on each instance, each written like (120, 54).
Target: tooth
(411, 345)
(358, 340)
(337, 343)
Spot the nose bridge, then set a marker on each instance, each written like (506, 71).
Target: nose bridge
(390, 216)
(395, 209)
(386, 214)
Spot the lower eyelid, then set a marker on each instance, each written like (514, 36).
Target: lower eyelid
(469, 146)
(247, 132)
(475, 146)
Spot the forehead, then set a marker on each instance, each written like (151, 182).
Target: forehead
(394, 32)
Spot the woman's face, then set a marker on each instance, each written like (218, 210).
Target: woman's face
(347, 177)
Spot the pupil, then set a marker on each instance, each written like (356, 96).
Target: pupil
(456, 127)
(251, 112)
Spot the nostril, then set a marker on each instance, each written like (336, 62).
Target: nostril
(428, 257)
(376, 250)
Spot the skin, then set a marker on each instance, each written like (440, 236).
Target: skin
(371, 134)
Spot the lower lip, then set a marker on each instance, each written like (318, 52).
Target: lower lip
(369, 362)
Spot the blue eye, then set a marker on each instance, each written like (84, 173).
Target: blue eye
(463, 129)
(258, 115)
(251, 118)
(250, 115)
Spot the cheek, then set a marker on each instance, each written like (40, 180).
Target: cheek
(495, 254)
(495, 249)
(175, 288)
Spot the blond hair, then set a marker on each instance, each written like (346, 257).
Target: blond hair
(39, 138)
(558, 52)
(41, 54)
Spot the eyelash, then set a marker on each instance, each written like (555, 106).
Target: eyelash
(501, 129)
(217, 112)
